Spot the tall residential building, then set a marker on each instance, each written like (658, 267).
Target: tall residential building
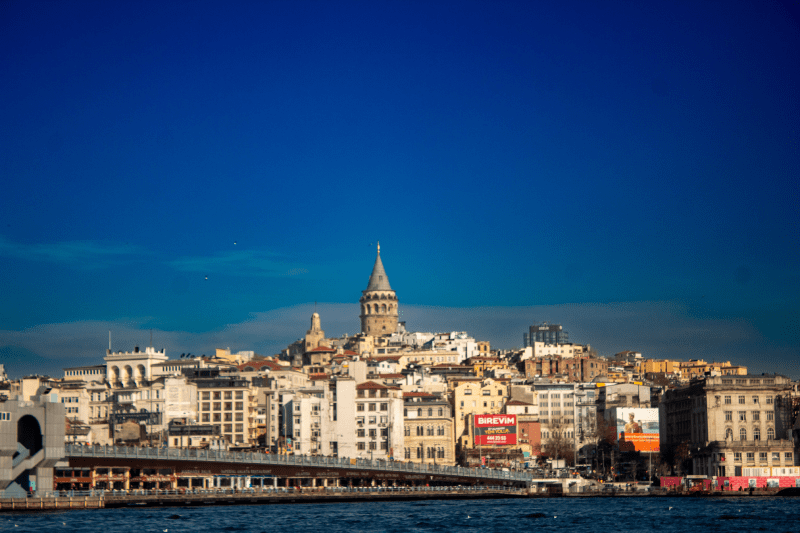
(378, 303)
(732, 425)
(546, 333)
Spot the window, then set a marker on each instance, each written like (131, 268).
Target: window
(360, 433)
(729, 434)
(360, 407)
(467, 392)
(407, 433)
(769, 400)
(408, 453)
(762, 457)
(430, 411)
(360, 446)
(787, 457)
(770, 434)
(776, 457)
(742, 416)
(728, 416)
(770, 416)
(751, 457)
(384, 407)
(756, 416)
(743, 434)
(741, 400)
(737, 456)
(441, 411)
(755, 399)
(727, 400)
(487, 392)
(757, 434)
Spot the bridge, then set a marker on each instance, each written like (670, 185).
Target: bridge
(132, 468)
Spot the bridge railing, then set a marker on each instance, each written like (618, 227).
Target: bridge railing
(184, 454)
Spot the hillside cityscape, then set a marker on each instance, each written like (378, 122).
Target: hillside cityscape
(392, 394)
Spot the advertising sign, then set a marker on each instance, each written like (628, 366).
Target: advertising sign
(637, 429)
(495, 429)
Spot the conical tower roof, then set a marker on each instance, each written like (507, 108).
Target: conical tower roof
(378, 280)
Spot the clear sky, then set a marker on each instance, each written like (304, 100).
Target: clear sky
(209, 170)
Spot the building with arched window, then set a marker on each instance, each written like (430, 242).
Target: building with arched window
(734, 424)
(427, 429)
(378, 303)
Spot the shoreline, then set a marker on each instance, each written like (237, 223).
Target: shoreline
(22, 505)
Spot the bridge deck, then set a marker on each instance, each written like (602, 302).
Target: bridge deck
(250, 461)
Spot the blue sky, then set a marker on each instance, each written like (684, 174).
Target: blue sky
(209, 170)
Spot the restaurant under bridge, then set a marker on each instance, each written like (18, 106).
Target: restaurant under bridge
(131, 468)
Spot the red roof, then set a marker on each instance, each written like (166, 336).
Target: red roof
(321, 349)
(258, 365)
(371, 385)
(319, 377)
(391, 376)
(517, 402)
(417, 395)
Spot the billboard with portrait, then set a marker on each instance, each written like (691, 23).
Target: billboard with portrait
(495, 429)
(637, 429)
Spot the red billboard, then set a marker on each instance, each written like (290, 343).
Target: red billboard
(495, 429)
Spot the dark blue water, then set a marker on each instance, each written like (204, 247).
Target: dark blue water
(601, 515)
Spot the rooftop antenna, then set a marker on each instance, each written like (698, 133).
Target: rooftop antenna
(109, 340)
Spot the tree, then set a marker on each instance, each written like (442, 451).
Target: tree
(558, 445)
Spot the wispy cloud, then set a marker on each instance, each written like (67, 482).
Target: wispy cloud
(80, 254)
(657, 329)
(239, 263)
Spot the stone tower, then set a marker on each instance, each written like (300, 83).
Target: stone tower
(315, 335)
(378, 303)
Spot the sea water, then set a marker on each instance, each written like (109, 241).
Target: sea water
(606, 515)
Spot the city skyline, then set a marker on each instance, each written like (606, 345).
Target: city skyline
(208, 173)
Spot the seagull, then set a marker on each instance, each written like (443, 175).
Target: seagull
(669, 509)
(467, 516)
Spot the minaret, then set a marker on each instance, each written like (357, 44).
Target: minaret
(378, 303)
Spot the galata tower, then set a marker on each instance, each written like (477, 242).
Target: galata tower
(378, 303)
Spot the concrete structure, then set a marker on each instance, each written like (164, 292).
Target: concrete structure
(379, 420)
(378, 303)
(31, 443)
(230, 404)
(132, 369)
(731, 425)
(428, 429)
(471, 396)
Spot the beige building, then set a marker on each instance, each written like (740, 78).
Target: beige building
(428, 429)
(732, 425)
(472, 396)
(230, 404)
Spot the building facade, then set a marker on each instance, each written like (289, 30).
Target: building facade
(732, 425)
